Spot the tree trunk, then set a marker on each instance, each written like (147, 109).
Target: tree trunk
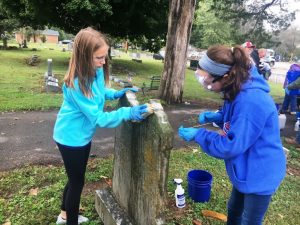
(181, 15)
(4, 43)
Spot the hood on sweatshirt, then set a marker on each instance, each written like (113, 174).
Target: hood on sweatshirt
(295, 67)
(256, 81)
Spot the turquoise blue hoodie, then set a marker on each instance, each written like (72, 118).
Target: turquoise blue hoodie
(250, 144)
(79, 116)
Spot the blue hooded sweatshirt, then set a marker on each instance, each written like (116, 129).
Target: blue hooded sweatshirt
(79, 116)
(250, 144)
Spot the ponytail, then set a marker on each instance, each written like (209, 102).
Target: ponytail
(238, 74)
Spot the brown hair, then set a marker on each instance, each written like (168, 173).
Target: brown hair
(81, 65)
(238, 73)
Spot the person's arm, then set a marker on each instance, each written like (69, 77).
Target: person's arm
(244, 129)
(109, 93)
(294, 85)
(90, 108)
(112, 94)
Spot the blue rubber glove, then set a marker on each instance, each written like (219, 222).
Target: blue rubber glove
(136, 112)
(121, 93)
(287, 91)
(188, 134)
(209, 117)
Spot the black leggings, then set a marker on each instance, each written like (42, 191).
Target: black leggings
(75, 160)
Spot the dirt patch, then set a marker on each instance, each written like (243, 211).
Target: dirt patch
(175, 214)
(293, 171)
(91, 187)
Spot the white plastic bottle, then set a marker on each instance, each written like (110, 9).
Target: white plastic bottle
(297, 124)
(282, 121)
(179, 194)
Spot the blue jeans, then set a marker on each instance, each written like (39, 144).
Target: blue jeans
(247, 209)
(289, 100)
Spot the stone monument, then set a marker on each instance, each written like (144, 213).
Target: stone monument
(141, 159)
(51, 83)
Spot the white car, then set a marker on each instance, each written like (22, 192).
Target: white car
(269, 58)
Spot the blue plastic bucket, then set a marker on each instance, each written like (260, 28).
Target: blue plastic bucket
(199, 185)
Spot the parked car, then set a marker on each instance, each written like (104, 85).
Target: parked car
(66, 41)
(195, 55)
(158, 56)
(269, 58)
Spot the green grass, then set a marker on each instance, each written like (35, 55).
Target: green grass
(21, 89)
(21, 85)
(17, 206)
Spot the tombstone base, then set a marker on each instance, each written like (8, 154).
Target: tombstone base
(109, 210)
(137, 60)
(52, 88)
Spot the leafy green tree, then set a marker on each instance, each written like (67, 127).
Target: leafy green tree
(130, 19)
(7, 25)
(252, 16)
(289, 40)
(209, 29)
(234, 21)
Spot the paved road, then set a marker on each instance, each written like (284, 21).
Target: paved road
(26, 137)
(279, 72)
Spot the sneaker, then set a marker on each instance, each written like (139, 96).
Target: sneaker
(60, 220)
(81, 219)
(293, 113)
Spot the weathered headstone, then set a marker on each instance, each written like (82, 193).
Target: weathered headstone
(49, 61)
(51, 83)
(136, 57)
(141, 161)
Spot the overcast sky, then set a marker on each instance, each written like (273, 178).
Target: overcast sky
(295, 5)
(292, 5)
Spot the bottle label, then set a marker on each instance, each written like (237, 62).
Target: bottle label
(181, 200)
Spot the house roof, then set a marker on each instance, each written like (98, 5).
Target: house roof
(50, 32)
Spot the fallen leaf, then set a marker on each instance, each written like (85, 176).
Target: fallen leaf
(197, 222)
(34, 191)
(81, 208)
(213, 214)
(108, 182)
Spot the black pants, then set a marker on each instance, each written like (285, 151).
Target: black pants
(75, 161)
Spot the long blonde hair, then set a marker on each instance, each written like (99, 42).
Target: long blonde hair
(81, 65)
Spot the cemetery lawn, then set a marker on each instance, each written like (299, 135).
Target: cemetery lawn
(22, 85)
(31, 195)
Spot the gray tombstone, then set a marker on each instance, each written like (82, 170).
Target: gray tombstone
(51, 83)
(139, 187)
(49, 61)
